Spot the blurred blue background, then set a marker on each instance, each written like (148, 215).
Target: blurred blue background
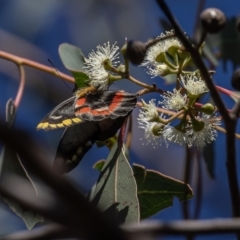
(35, 29)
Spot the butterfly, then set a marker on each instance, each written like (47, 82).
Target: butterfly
(93, 106)
(95, 116)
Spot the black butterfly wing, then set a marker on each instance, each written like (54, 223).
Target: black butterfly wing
(78, 139)
(61, 116)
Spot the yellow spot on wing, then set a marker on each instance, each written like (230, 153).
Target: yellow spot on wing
(39, 126)
(67, 122)
(60, 125)
(45, 125)
(76, 120)
(52, 125)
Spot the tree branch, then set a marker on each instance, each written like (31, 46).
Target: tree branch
(21, 86)
(184, 227)
(27, 62)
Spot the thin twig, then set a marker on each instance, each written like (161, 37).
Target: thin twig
(27, 62)
(152, 88)
(200, 7)
(223, 130)
(21, 86)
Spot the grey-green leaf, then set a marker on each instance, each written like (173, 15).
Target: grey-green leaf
(156, 191)
(10, 163)
(99, 165)
(116, 190)
(73, 59)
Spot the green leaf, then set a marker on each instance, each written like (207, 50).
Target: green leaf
(116, 190)
(209, 158)
(10, 163)
(99, 165)
(73, 59)
(156, 191)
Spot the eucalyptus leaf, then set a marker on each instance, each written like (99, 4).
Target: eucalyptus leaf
(209, 158)
(99, 165)
(73, 59)
(10, 163)
(116, 189)
(156, 191)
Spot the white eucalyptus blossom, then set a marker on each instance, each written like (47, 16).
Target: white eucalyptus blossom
(174, 100)
(149, 111)
(152, 130)
(156, 67)
(159, 69)
(174, 135)
(194, 85)
(94, 64)
(208, 133)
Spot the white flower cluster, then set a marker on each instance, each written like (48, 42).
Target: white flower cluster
(94, 64)
(183, 133)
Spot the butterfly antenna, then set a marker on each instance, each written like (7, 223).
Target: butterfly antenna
(59, 74)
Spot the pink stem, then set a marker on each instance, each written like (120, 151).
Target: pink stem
(21, 86)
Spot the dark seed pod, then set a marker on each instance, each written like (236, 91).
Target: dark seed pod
(136, 52)
(236, 79)
(213, 20)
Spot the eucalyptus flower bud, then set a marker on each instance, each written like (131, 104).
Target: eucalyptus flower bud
(208, 108)
(136, 52)
(157, 129)
(213, 20)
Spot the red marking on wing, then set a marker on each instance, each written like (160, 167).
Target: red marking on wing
(116, 101)
(97, 112)
(83, 110)
(80, 102)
